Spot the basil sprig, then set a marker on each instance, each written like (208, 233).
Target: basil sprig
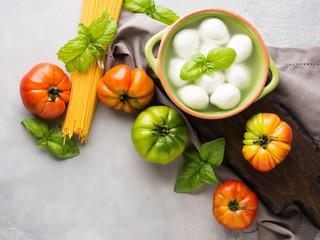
(159, 13)
(79, 53)
(219, 58)
(197, 167)
(53, 139)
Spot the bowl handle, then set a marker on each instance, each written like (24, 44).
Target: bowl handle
(148, 50)
(274, 80)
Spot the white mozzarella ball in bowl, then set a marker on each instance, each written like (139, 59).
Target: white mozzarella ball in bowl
(238, 75)
(242, 44)
(175, 66)
(206, 47)
(214, 31)
(194, 97)
(226, 97)
(186, 42)
(209, 84)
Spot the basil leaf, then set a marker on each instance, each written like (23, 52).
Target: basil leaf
(79, 53)
(208, 69)
(82, 62)
(199, 58)
(103, 29)
(100, 50)
(189, 178)
(213, 152)
(164, 15)
(221, 57)
(72, 49)
(190, 71)
(190, 156)
(42, 142)
(207, 175)
(58, 149)
(140, 6)
(36, 127)
(84, 32)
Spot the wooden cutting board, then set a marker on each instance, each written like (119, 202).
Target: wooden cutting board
(295, 180)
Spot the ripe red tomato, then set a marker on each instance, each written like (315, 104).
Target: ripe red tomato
(45, 90)
(235, 205)
(122, 88)
(266, 141)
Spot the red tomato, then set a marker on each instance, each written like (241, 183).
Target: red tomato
(122, 88)
(235, 205)
(45, 90)
(266, 141)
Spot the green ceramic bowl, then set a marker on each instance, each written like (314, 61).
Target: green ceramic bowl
(260, 66)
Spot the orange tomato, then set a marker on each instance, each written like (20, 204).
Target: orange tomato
(45, 90)
(235, 206)
(122, 88)
(267, 141)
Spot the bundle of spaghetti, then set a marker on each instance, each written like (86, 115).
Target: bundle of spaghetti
(78, 116)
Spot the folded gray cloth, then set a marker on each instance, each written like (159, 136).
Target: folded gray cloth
(299, 69)
(299, 88)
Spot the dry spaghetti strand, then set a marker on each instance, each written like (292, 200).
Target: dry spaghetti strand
(78, 116)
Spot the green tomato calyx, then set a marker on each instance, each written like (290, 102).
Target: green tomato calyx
(125, 97)
(161, 130)
(264, 140)
(234, 205)
(54, 92)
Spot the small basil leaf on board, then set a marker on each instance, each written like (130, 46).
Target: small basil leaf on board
(190, 156)
(36, 127)
(103, 29)
(199, 58)
(82, 62)
(207, 175)
(213, 151)
(221, 57)
(58, 149)
(140, 6)
(164, 15)
(189, 178)
(191, 71)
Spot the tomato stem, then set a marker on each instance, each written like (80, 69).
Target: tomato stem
(162, 130)
(54, 92)
(264, 140)
(234, 205)
(125, 97)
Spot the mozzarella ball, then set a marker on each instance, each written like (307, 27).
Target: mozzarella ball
(194, 97)
(186, 42)
(210, 84)
(242, 44)
(206, 47)
(214, 31)
(175, 66)
(238, 75)
(226, 96)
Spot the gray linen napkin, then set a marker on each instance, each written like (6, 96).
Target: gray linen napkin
(298, 91)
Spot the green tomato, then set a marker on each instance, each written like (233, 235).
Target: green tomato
(159, 134)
